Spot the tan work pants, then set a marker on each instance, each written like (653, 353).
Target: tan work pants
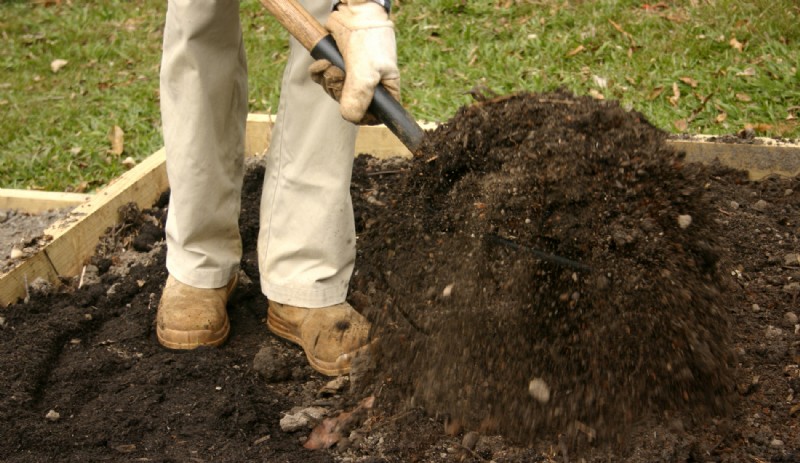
(306, 244)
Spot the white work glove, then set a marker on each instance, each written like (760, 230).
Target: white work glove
(365, 36)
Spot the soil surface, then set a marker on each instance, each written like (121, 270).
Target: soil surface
(547, 282)
(21, 234)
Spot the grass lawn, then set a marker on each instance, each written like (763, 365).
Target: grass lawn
(70, 72)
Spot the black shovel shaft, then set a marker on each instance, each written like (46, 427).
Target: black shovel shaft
(383, 106)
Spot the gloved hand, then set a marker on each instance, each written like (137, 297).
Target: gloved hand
(365, 36)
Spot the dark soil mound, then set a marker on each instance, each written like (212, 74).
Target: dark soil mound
(555, 239)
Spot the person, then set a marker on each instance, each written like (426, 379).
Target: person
(306, 241)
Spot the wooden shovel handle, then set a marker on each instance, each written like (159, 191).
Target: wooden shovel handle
(299, 22)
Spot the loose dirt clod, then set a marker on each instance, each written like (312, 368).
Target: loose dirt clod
(539, 390)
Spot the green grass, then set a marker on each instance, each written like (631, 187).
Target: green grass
(55, 125)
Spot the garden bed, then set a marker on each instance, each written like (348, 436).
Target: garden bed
(537, 243)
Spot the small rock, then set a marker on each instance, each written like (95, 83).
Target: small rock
(305, 418)
(761, 205)
(90, 275)
(734, 205)
(539, 390)
(113, 289)
(2, 321)
(16, 253)
(52, 415)
(3, 216)
(793, 287)
(791, 259)
(622, 238)
(776, 443)
(773, 332)
(335, 386)
(790, 317)
(448, 290)
(41, 286)
(684, 221)
(470, 440)
(270, 365)
(788, 192)
(756, 308)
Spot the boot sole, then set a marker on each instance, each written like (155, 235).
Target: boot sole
(283, 330)
(186, 340)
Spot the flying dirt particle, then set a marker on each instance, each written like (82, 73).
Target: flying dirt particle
(539, 390)
(448, 290)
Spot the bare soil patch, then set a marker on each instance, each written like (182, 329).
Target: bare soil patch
(548, 282)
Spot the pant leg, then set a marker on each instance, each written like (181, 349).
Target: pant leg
(204, 111)
(307, 236)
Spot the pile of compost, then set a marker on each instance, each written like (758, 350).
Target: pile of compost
(547, 263)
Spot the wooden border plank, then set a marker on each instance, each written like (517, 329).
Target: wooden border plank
(74, 242)
(760, 159)
(74, 238)
(35, 202)
(13, 285)
(258, 133)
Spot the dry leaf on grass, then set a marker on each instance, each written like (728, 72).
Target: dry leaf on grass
(57, 64)
(762, 127)
(749, 72)
(689, 81)
(575, 51)
(744, 97)
(676, 95)
(117, 138)
(596, 95)
(736, 44)
(601, 82)
(655, 7)
(654, 93)
(721, 117)
(681, 125)
(623, 32)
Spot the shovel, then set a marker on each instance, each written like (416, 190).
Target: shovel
(316, 39)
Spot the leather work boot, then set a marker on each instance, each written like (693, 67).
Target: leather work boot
(330, 336)
(190, 317)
